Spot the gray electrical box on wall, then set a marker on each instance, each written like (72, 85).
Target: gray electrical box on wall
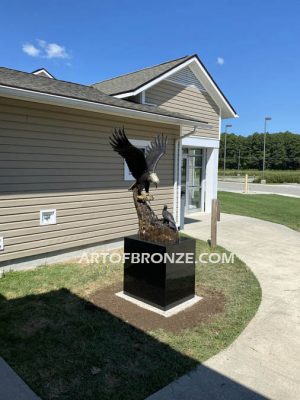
(1, 243)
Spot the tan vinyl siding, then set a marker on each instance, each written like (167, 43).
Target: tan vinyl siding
(188, 100)
(57, 158)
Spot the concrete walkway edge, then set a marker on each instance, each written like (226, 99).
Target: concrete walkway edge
(265, 359)
(12, 387)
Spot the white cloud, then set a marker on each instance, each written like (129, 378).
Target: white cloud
(42, 43)
(31, 50)
(46, 50)
(54, 50)
(220, 60)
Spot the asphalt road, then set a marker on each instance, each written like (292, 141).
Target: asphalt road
(291, 189)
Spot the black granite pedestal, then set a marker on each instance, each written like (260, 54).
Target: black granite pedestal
(165, 284)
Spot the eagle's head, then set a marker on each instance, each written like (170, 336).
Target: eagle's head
(153, 178)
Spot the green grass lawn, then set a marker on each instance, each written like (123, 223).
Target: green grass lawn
(269, 207)
(53, 340)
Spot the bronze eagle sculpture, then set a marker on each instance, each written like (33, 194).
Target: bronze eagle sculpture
(168, 218)
(142, 165)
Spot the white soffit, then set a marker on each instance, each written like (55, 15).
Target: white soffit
(194, 141)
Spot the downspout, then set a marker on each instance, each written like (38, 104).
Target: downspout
(175, 181)
(179, 180)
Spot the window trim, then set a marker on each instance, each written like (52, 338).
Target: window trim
(141, 144)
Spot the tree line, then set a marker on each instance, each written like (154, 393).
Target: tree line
(246, 152)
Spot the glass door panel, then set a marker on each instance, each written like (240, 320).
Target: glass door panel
(192, 179)
(196, 177)
(194, 198)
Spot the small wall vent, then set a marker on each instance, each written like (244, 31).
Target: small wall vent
(47, 217)
(186, 77)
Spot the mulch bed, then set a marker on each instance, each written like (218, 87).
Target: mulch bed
(213, 303)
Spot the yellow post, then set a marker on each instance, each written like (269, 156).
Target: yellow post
(246, 184)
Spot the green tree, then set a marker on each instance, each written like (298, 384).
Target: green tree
(282, 151)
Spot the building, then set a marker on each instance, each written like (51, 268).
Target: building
(61, 185)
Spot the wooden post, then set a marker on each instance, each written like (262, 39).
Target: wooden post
(219, 211)
(214, 218)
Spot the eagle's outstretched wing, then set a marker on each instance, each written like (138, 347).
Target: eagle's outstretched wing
(155, 151)
(133, 156)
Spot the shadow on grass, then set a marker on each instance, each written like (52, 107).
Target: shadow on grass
(64, 347)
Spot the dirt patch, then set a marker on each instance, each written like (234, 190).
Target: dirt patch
(213, 303)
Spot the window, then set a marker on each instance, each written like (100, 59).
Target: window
(141, 144)
(143, 96)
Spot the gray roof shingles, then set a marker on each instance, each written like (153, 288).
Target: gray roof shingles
(28, 81)
(132, 81)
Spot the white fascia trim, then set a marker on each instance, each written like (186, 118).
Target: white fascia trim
(30, 95)
(215, 92)
(196, 141)
(220, 123)
(208, 85)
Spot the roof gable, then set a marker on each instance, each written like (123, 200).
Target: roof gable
(43, 72)
(136, 82)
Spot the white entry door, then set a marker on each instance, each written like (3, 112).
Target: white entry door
(192, 178)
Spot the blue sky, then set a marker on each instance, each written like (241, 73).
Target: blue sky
(87, 41)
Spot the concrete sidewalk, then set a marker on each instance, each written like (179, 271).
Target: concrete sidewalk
(264, 361)
(290, 190)
(12, 387)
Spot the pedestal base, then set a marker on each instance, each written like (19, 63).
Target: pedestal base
(164, 276)
(169, 313)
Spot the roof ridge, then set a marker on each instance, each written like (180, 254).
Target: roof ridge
(142, 69)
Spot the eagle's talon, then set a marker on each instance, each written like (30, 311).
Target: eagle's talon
(142, 197)
(145, 197)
